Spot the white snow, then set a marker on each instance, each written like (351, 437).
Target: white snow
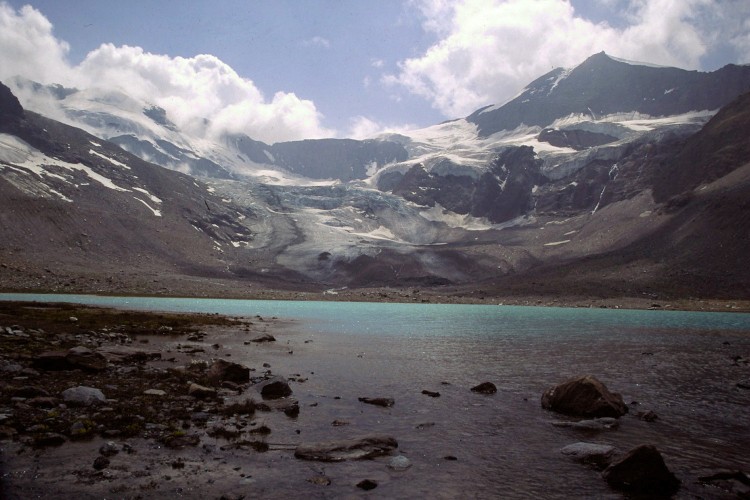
(113, 162)
(152, 197)
(555, 243)
(157, 213)
(636, 63)
(452, 219)
(17, 152)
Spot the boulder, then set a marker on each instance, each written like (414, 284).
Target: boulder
(86, 359)
(274, 388)
(584, 396)
(221, 370)
(485, 388)
(83, 395)
(598, 455)
(642, 471)
(349, 449)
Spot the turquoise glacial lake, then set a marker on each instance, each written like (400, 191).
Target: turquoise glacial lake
(687, 367)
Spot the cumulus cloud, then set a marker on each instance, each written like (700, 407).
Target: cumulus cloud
(28, 47)
(487, 50)
(194, 91)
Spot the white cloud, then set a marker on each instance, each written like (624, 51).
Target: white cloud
(191, 90)
(317, 41)
(377, 63)
(28, 47)
(487, 50)
(363, 127)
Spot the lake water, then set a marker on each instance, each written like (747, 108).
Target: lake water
(681, 365)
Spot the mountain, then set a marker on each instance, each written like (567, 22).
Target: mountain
(603, 85)
(642, 195)
(75, 208)
(145, 130)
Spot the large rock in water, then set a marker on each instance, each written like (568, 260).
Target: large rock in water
(584, 396)
(643, 471)
(274, 388)
(349, 449)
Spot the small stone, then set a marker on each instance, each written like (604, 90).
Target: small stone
(367, 484)
(154, 392)
(263, 338)
(109, 449)
(384, 402)
(201, 392)
(83, 395)
(485, 388)
(598, 455)
(432, 394)
(350, 449)
(647, 416)
(319, 480)
(101, 463)
(399, 463)
(596, 424)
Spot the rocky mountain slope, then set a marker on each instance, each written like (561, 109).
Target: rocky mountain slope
(641, 195)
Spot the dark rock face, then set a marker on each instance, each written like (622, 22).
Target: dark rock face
(350, 449)
(574, 138)
(717, 149)
(584, 396)
(643, 471)
(221, 371)
(10, 107)
(501, 194)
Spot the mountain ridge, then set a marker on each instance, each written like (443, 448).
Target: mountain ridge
(624, 205)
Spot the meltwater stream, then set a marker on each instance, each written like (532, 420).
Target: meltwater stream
(684, 366)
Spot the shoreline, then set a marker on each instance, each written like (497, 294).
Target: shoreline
(433, 296)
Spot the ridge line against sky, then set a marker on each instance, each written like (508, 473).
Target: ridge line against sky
(281, 70)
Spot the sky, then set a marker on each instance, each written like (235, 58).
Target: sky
(281, 70)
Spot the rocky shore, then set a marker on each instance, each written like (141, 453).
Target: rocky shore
(99, 403)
